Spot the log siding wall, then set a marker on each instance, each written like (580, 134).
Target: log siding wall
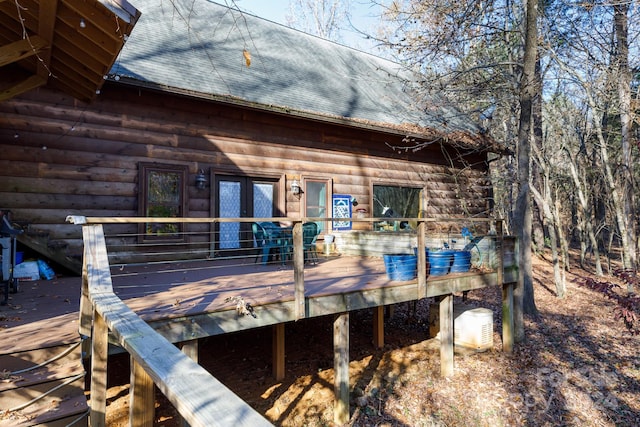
(63, 157)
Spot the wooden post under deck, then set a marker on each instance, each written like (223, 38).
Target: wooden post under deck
(422, 262)
(278, 351)
(86, 312)
(190, 348)
(507, 317)
(378, 326)
(141, 397)
(507, 296)
(341, 368)
(99, 351)
(446, 335)
(298, 270)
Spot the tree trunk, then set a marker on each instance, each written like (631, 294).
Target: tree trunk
(585, 213)
(621, 10)
(544, 203)
(564, 245)
(523, 293)
(538, 169)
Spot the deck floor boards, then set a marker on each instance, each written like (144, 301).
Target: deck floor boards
(45, 313)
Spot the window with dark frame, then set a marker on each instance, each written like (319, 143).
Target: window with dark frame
(162, 194)
(394, 201)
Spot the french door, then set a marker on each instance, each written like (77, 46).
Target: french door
(242, 197)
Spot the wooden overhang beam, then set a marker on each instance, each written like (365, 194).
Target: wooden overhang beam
(32, 82)
(38, 45)
(13, 52)
(46, 27)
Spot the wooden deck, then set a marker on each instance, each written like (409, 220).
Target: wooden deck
(40, 356)
(188, 300)
(194, 299)
(44, 313)
(193, 295)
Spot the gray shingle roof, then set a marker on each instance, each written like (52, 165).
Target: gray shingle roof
(196, 47)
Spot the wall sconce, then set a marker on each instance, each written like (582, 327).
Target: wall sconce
(201, 180)
(295, 187)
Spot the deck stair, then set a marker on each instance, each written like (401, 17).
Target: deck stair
(54, 250)
(43, 387)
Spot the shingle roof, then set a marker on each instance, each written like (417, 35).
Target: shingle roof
(197, 47)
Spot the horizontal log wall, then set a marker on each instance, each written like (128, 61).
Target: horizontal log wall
(63, 157)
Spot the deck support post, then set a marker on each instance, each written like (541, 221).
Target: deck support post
(422, 261)
(507, 317)
(378, 326)
(341, 368)
(99, 352)
(446, 335)
(298, 270)
(190, 349)
(86, 311)
(278, 351)
(507, 295)
(141, 397)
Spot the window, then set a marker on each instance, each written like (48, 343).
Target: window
(317, 201)
(162, 194)
(396, 202)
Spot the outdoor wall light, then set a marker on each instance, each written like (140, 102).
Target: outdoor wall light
(201, 180)
(295, 187)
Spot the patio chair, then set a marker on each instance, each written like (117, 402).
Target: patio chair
(265, 241)
(309, 236)
(268, 237)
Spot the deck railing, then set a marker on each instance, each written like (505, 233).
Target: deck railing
(199, 397)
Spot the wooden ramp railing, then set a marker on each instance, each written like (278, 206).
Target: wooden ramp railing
(199, 398)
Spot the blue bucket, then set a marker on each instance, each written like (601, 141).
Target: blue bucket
(440, 262)
(401, 267)
(461, 262)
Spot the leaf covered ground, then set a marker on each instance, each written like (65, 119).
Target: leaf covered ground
(577, 367)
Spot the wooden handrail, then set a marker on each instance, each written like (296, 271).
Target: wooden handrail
(199, 398)
(82, 220)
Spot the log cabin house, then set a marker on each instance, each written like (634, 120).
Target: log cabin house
(210, 113)
(236, 113)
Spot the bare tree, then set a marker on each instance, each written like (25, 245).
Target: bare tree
(324, 18)
(522, 213)
(597, 66)
(545, 199)
(621, 59)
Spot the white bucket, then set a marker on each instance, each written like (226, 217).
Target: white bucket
(328, 244)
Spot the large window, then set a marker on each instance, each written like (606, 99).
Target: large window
(394, 201)
(162, 194)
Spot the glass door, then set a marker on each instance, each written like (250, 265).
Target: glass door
(317, 196)
(241, 197)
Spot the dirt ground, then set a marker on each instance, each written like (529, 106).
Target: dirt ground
(577, 367)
